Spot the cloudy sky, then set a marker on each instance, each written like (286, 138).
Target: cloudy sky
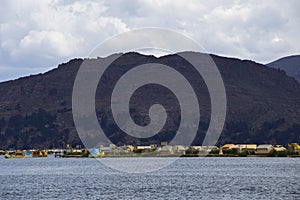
(36, 36)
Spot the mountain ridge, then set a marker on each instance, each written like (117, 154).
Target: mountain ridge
(263, 104)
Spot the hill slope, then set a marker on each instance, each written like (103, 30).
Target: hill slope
(263, 105)
(290, 64)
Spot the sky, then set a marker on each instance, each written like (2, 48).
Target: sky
(36, 36)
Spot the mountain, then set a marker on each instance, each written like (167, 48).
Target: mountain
(290, 64)
(263, 104)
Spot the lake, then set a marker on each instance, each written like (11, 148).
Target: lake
(186, 178)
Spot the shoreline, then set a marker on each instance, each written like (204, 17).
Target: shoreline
(163, 156)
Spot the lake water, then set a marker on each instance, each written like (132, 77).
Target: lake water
(187, 178)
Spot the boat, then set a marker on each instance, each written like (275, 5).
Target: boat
(58, 154)
(39, 153)
(17, 154)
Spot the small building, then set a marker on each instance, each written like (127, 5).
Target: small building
(279, 148)
(166, 149)
(153, 146)
(143, 147)
(180, 148)
(105, 149)
(164, 143)
(236, 146)
(264, 149)
(226, 146)
(209, 148)
(196, 148)
(294, 147)
(77, 150)
(130, 148)
(244, 147)
(220, 152)
(251, 147)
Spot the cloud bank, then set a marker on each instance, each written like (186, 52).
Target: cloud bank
(37, 35)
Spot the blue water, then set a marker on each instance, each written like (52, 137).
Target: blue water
(187, 178)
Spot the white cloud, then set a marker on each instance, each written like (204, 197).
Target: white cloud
(49, 43)
(36, 34)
